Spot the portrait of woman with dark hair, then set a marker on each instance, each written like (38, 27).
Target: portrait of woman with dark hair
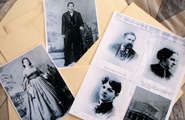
(167, 61)
(43, 101)
(110, 89)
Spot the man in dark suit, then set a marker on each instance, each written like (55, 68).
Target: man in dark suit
(124, 50)
(72, 25)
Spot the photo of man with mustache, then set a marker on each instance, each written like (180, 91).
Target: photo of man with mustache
(124, 51)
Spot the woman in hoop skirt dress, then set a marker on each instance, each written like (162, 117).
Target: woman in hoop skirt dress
(43, 102)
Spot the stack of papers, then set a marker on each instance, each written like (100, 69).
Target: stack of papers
(130, 76)
(24, 28)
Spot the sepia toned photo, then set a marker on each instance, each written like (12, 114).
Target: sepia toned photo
(35, 86)
(71, 29)
(147, 105)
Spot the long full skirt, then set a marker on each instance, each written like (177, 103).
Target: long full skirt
(43, 102)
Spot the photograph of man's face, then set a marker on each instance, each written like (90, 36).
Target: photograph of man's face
(124, 50)
(128, 41)
(70, 7)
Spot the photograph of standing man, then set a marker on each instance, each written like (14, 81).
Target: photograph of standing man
(72, 26)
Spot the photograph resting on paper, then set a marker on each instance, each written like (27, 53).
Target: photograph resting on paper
(71, 29)
(35, 87)
(147, 105)
(153, 48)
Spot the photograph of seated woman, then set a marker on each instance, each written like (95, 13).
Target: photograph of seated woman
(167, 61)
(43, 102)
(109, 90)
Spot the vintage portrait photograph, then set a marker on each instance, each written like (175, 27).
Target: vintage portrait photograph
(165, 63)
(102, 105)
(71, 29)
(35, 87)
(124, 43)
(146, 105)
(101, 97)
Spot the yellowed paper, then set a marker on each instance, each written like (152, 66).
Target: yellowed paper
(119, 5)
(21, 40)
(72, 82)
(86, 59)
(105, 10)
(20, 21)
(2, 31)
(19, 8)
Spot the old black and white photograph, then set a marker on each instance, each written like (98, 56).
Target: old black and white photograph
(71, 29)
(124, 51)
(112, 62)
(101, 97)
(35, 87)
(123, 44)
(103, 107)
(146, 105)
(167, 60)
(165, 63)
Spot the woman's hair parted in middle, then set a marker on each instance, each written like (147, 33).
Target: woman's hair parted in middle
(25, 58)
